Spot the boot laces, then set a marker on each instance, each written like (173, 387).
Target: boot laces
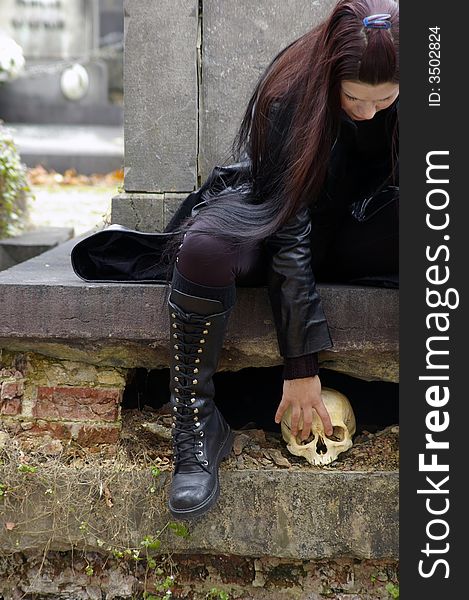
(188, 337)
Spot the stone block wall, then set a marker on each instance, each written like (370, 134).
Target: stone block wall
(189, 69)
(46, 400)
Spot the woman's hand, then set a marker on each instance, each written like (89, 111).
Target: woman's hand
(304, 396)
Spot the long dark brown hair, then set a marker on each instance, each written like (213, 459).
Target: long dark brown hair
(293, 118)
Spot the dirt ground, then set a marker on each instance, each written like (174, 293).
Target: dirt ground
(147, 433)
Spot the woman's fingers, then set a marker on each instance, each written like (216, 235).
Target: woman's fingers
(307, 422)
(282, 407)
(295, 419)
(325, 418)
(302, 396)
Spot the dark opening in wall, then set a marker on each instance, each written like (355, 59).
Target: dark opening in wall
(251, 396)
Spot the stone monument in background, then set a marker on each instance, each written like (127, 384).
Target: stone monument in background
(65, 84)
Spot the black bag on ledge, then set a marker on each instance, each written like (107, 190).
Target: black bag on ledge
(120, 254)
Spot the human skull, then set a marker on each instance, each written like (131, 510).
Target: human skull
(319, 449)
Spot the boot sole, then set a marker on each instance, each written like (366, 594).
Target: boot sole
(201, 509)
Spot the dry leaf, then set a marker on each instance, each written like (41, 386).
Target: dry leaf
(107, 496)
(159, 430)
(240, 442)
(256, 434)
(278, 458)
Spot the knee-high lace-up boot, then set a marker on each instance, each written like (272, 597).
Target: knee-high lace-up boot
(201, 436)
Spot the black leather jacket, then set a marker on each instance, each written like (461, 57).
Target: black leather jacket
(301, 245)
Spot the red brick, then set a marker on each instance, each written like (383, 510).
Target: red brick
(84, 404)
(11, 389)
(10, 407)
(59, 431)
(91, 436)
(85, 435)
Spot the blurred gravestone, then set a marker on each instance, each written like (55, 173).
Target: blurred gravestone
(51, 28)
(63, 82)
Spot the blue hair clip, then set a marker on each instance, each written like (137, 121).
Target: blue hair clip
(378, 21)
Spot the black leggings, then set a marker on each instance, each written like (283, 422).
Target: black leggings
(363, 253)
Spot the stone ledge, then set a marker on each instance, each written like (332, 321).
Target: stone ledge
(45, 307)
(22, 247)
(285, 514)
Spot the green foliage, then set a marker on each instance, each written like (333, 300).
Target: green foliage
(89, 570)
(13, 185)
(3, 490)
(27, 469)
(179, 529)
(150, 542)
(164, 587)
(216, 594)
(393, 591)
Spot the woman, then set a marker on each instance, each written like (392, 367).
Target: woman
(315, 195)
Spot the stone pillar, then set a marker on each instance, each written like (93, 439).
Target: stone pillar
(160, 86)
(239, 41)
(188, 74)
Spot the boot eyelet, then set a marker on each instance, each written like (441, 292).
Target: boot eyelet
(205, 331)
(175, 409)
(200, 444)
(202, 341)
(205, 463)
(175, 335)
(178, 400)
(208, 323)
(196, 410)
(176, 368)
(176, 379)
(197, 425)
(201, 434)
(200, 453)
(195, 371)
(175, 326)
(176, 356)
(192, 400)
(194, 382)
(176, 390)
(197, 361)
(173, 426)
(196, 418)
(200, 350)
(192, 393)
(173, 315)
(176, 347)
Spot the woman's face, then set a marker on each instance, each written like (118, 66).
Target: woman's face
(361, 101)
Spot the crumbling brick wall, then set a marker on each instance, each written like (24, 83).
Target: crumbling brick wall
(49, 400)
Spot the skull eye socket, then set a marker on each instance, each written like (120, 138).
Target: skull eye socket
(308, 440)
(338, 434)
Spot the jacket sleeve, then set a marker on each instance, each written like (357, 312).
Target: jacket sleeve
(299, 317)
